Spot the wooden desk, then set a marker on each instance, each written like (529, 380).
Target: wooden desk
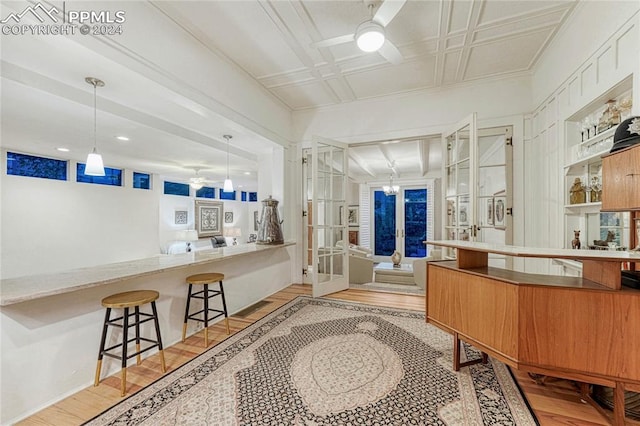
(575, 328)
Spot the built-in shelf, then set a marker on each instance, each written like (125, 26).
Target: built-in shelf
(583, 208)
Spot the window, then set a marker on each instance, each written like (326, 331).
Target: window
(141, 180)
(253, 196)
(227, 195)
(206, 192)
(32, 166)
(243, 196)
(111, 176)
(174, 188)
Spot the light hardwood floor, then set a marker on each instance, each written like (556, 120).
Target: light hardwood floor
(555, 403)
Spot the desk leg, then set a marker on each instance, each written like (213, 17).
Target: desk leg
(618, 405)
(457, 365)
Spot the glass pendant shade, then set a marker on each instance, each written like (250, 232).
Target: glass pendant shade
(370, 36)
(391, 188)
(228, 185)
(196, 185)
(94, 166)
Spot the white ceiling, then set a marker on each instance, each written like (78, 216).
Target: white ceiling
(46, 103)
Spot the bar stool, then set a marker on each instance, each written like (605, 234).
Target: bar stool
(205, 295)
(126, 300)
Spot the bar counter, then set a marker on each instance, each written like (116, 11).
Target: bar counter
(31, 287)
(50, 324)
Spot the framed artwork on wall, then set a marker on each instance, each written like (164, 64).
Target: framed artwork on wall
(228, 217)
(353, 216)
(209, 216)
(499, 209)
(181, 217)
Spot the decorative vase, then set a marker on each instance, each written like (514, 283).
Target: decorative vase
(396, 257)
(269, 231)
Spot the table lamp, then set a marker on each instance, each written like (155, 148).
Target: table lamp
(234, 233)
(188, 235)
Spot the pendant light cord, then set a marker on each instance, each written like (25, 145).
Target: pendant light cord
(227, 156)
(95, 118)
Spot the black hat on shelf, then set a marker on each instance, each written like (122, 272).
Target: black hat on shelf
(627, 134)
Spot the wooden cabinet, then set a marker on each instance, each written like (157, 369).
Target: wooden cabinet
(578, 328)
(621, 180)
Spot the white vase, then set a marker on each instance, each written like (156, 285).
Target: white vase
(396, 257)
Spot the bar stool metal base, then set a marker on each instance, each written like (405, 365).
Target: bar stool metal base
(125, 301)
(205, 294)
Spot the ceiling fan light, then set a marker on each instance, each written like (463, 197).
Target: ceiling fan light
(370, 36)
(94, 166)
(196, 185)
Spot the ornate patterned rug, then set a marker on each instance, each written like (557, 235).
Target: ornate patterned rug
(326, 362)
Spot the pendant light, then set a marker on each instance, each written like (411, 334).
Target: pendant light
(228, 185)
(390, 189)
(94, 165)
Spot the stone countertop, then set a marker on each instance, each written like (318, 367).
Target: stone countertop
(30, 287)
(517, 251)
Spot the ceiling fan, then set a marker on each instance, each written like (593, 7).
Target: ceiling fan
(197, 181)
(370, 35)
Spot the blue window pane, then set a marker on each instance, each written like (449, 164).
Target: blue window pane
(415, 222)
(32, 166)
(111, 176)
(385, 223)
(141, 180)
(243, 195)
(227, 195)
(206, 192)
(174, 188)
(253, 196)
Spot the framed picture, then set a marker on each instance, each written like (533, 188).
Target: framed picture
(228, 217)
(353, 215)
(499, 209)
(463, 211)
(489, 211)
(181, 217)
(209, 216)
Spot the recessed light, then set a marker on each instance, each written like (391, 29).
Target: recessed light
(122, 138)
(63, 149)
(247, 173)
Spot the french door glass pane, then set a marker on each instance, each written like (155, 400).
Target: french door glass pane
(384, 223)
(415, 222)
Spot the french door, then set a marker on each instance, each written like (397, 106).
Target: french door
(459, 181)
(325, 186)
(400, 223)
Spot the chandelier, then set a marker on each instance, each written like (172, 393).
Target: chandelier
(390, 189)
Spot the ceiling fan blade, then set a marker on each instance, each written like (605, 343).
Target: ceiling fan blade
(390, 52)
(387, 11)
(334, 41)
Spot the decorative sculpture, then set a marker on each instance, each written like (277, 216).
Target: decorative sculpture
(575, 243)
(577, 194)
(396, 257)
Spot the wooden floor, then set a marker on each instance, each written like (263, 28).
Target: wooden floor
(555, 403)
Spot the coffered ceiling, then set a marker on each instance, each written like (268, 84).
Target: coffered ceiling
(443, 42)
(176, 126)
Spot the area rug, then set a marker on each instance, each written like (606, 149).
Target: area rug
(326, 362)
(389, 288)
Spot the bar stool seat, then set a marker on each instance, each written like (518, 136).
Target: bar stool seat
(127, 300)
(205, 294)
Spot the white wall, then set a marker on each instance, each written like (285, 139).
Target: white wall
(595, 51)
(420, 113)
(50, 226)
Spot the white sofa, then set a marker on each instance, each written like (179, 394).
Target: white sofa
(420, 267)
(360, 264)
